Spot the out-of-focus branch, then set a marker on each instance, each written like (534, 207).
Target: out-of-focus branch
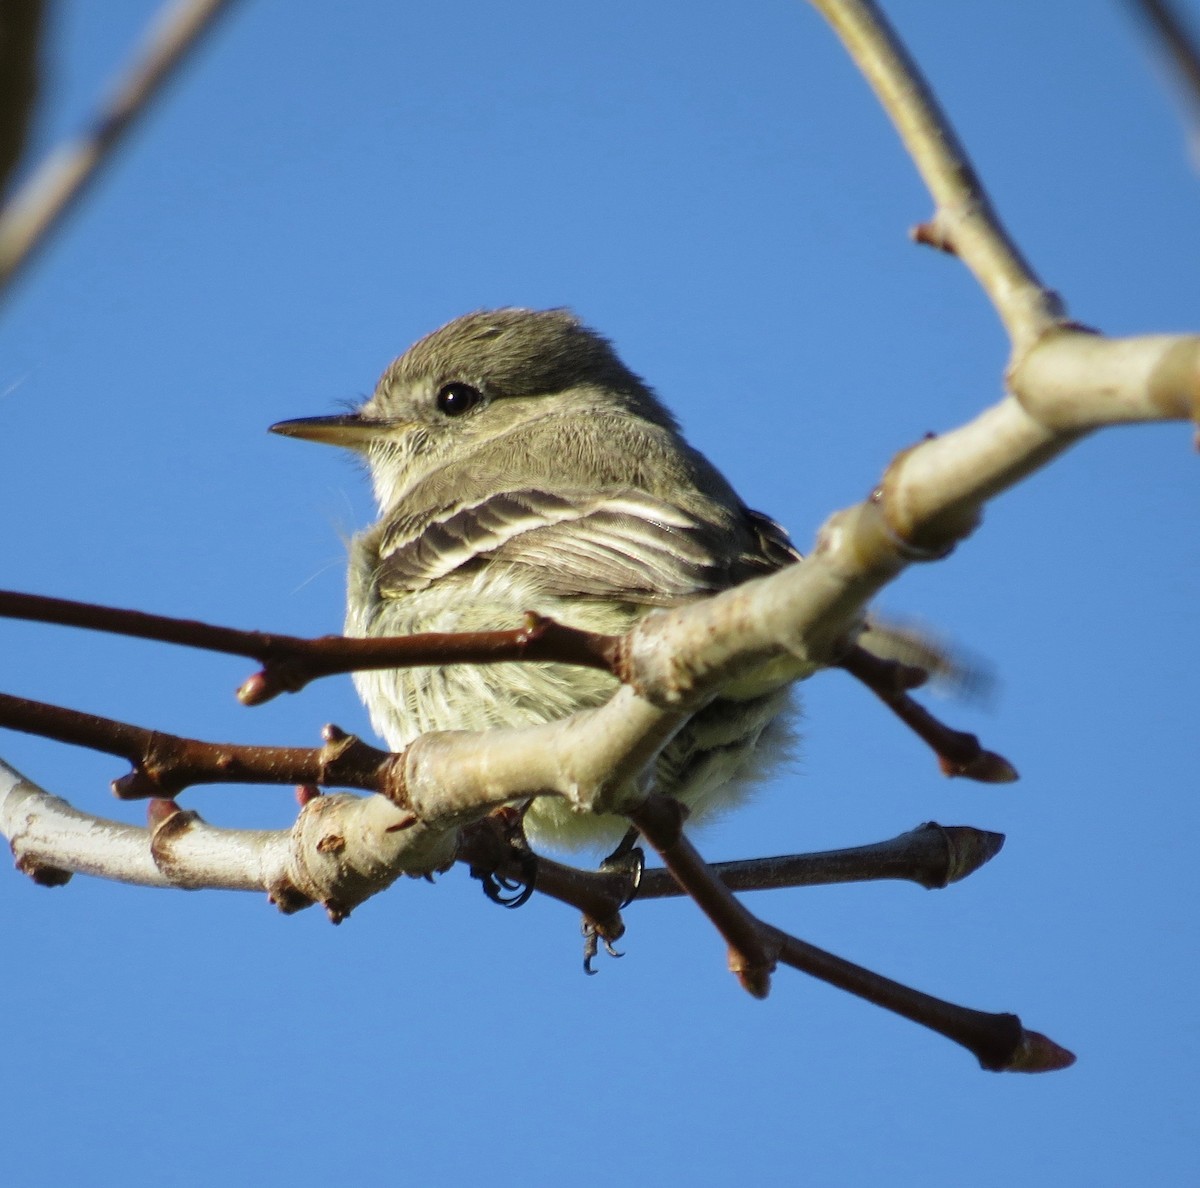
(32, 212)
(1179, 46)
(20, 48)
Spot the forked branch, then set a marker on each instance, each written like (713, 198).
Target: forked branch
(999, 1041)
(338, 853)
(290, 663)
(1063, 382)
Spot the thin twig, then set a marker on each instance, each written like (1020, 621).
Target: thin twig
(752, 954)
(959, 753)
(36, 209)
(291, 662)
(165, 764)
(932, 855)
(965, 221)
(1179, 45)
(999, 1041)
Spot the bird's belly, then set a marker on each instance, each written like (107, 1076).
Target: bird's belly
(710, 764)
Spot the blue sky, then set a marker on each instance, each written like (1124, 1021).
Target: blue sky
(715, 189)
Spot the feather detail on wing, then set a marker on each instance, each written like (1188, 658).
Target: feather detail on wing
(626, 545)
(775, 548)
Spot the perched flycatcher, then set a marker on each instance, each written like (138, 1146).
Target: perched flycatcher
(519, 466)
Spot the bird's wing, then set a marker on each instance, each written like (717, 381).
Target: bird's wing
(626, 545)
(774, 546)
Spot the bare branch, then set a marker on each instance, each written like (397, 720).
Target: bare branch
(930, 498)
(752, 954)
(964, 221)
(932, 855)
(20, 46)
(290, 662)
(341, 850)
(1073, 381)
(51, 840)
(32, 213)
(959, 754)
(1000, 1042)
(165, 764)
(446, 779)
(1064, 382)
(1179, 45)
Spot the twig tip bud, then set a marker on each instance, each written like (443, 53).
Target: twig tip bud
(255, 690)
(1038, 1053)
(984, 768)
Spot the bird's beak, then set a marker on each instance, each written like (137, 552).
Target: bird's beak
(348, 430)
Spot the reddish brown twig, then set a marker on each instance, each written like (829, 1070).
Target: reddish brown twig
(752, 953)
(933, 234)
(932, 855)
(999, 1041)
(959, 753)
(164, 764)
(291, 662)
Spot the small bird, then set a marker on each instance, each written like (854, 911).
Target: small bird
(519, 465)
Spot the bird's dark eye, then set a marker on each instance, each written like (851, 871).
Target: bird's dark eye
(457, 398)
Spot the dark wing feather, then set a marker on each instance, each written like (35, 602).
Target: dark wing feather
(775, 547)
(626, 545)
